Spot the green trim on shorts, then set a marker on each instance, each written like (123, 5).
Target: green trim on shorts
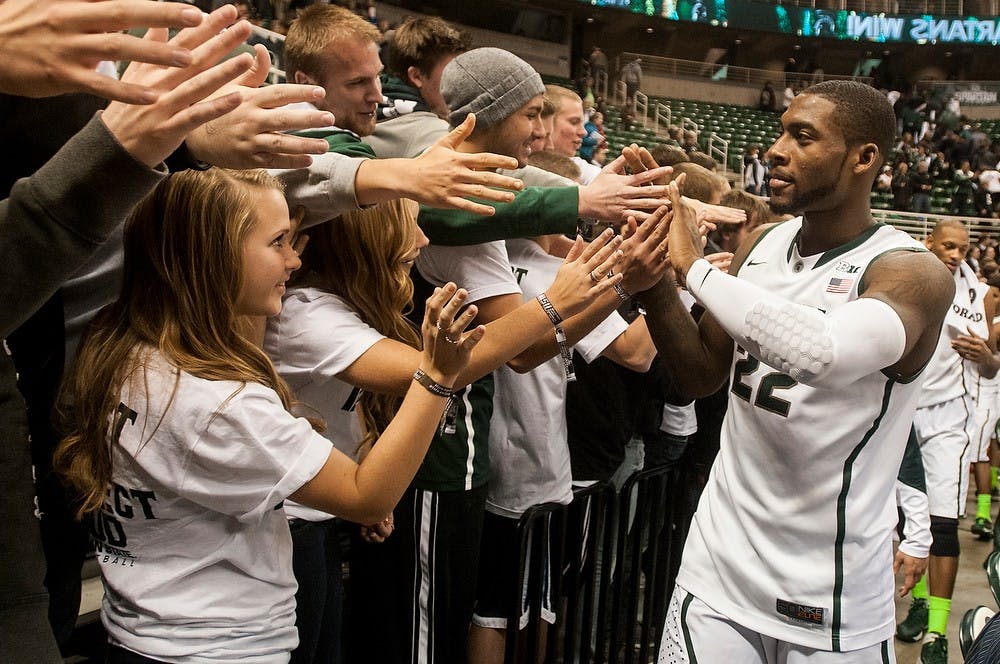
(692, 658)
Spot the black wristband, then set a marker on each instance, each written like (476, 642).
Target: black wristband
(181, 159)
(431, 385)
(549, 310)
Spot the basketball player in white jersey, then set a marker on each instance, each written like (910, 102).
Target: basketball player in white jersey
(824, 324)
(942, 424)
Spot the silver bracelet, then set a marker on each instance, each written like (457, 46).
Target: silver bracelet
(619, 289)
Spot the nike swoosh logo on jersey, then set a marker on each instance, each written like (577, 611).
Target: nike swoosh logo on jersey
(752, 263)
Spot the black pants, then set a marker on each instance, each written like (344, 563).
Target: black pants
(413, 595)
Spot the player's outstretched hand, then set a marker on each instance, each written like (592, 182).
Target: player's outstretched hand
(444, 178)
(913, 569)
(584, 276)
(614, 196)
(447, 344)
(151, 133)
(52, 47)
(252, 135)
(685, 240)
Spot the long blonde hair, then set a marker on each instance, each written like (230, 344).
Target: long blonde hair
(358, 257)
(182, 274)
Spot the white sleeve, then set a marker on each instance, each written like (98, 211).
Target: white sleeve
(597, 340)
(917, 528)
(316, 337)
(482, 269)
(826, 351)
(251, 456)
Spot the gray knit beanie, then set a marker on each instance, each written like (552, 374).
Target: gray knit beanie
(490, 82)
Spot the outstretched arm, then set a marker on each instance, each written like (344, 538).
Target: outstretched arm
(366, 492)
(52, 47)
(898, 315)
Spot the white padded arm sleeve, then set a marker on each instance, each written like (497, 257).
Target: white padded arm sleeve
(917, 529)
(827, 351)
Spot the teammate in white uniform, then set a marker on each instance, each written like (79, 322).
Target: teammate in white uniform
(825, 332)
(183, 448)
(979, 353)
(943, 424)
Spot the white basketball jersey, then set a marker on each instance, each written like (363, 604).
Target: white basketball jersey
(948, 376)
(793, 534)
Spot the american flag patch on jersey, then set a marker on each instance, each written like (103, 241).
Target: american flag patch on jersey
(838, 285)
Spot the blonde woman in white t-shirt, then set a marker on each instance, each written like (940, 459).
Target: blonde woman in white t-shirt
(182, 447)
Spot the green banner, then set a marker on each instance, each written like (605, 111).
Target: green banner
(807, 22)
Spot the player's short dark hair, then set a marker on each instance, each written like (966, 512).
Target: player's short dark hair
(864, 115)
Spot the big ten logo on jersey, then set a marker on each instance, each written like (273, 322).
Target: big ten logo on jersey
(847, 268)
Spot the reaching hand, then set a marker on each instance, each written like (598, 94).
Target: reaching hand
(583, 276)
(972, 347)
(639, 160)
(52, 47)
(447, 345)
(716, 214)
(646, 259)
(444, 178)
(685, 240)
(721, 260)
(913, 569)
(150, 133)
(614, 196)
(251, 136)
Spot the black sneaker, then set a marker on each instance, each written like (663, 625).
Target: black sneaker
(935, 649)
(913, 627)
(983, 529)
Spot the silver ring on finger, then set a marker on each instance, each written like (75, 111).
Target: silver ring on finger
(594, 277)
(449, 339)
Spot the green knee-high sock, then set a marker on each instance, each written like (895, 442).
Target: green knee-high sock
(982, 505)
(937, 614)
(920, 588)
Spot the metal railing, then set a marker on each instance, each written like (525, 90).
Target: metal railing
(614, 559)
(660, 66)
(662, 116)
(640, 108)
(620, 94)
(718, 149)
(601, 84)
(919, 224)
